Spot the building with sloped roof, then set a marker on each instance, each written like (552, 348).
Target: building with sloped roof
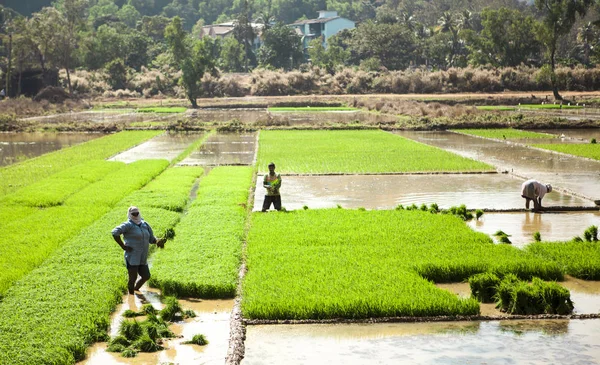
(326, 25)
(223, 30)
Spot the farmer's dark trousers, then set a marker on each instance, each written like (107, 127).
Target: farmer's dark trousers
(275, 199)
(134, 270)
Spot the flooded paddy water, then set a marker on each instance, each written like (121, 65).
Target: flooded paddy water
(476, 191)
(102, 116)
(16, 147)
(225, 149)
(212, 320)
(494, 342)
(165, 146)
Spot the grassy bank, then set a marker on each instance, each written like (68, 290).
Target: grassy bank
(582, 150)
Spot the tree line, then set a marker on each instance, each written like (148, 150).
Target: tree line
(119, 36)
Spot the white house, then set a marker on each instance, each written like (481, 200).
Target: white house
(223, 30)
(327, 24)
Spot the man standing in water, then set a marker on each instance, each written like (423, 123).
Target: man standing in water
(534, 190)
(272, 182)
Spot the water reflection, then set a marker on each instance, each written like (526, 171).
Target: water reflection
(17, 147)
(496, 342)
(165, 146)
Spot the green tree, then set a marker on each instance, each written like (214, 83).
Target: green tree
(505, 39)
(232, 55)
(282, 48)
(73, 15)
(393, 44)
(117, 73)
(587, 36)
(192, 56)
(559, 17)
(244, 34)
(129, 15)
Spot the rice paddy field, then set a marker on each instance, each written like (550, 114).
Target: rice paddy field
(63, 275)
(371, 151)
(591, 150)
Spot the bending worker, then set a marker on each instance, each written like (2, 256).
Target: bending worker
(272, 182)
(534, 190)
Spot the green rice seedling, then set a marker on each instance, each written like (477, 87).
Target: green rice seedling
(579, 259)
(325, 267)
(165, 109)
(501, 233)
(145, 344)
(119, 340)
(188, 313)
(583, 150)
(203, 260)
(554, 298)
(434, 208)
(483, 286)
(423, 207)
(19, 175)
(361, 209)
(577, 239)
(339, 206)
(171, 310)
(130, 314)
(311, 109)
(305, 207)
(504, 239)
(129, 353)
(505, 133)
(413, 206)
(117, 347)
(537, 237)
(131, 330)
(593, 141)
(399, 207)
(75, 294)
(478, 213)
(591, 234)
(170, 190)
(148, 309)
(197, 340)
(370, 151)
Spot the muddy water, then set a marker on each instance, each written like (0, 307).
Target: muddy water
(165, 146)
(225, 149)
(476, 191)
(16, 147)
(212, 320)
(584, 294)
(226, 115)
(577, 175)
(102, 116)
(496, 342)
(553, 226)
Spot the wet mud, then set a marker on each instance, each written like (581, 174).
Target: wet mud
(576, 175)
(580, 135)
(17, 147)
(553, 226)
(495, 342)
(584, 294)
(212, 320)
(102, 116)
(476, 191)
(225, 149)
(165, 146)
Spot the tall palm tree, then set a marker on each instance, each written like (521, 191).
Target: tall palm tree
(448, 23)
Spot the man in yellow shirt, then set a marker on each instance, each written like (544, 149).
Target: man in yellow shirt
(272, 182)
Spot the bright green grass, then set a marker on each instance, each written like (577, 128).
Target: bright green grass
(497, 107)
(58, 309)
(311, 109)
(164, 109)
(371, 151)
(203, 260)
(549, 106)
(169, 191)
(358, 264)
(55, 189)
(27, 242)
(580, 259)
(582, 150)
(504, 133)
(16, 176)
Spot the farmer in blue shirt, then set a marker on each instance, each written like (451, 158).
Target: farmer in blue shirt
(138, 236)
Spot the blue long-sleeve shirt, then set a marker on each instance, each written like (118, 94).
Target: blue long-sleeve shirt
(139, 238)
